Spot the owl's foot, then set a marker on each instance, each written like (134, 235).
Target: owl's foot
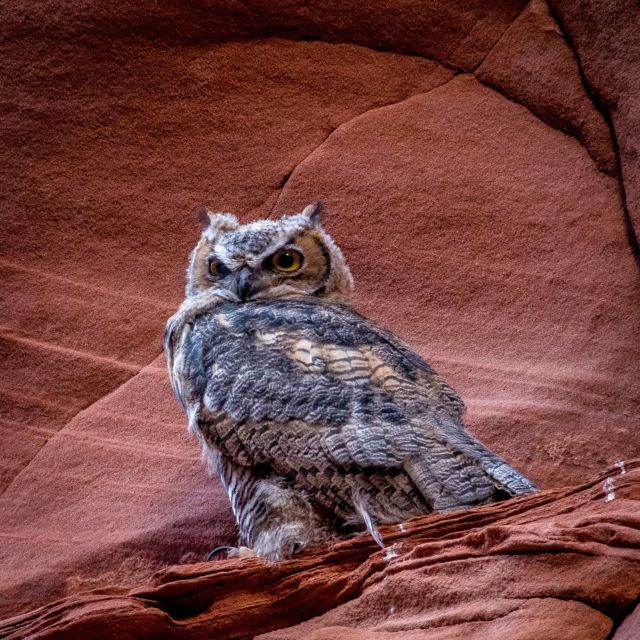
(232, 552)
(287, 540)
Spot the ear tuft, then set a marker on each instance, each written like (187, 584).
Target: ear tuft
(202, 215)
(216, 222)
(313, 212)
(223, 222)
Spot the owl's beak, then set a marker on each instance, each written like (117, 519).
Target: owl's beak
(243, 285)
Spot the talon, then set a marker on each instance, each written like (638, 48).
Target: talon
(214, 552)
(232, 552)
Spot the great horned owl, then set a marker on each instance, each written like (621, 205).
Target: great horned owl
(318, 422)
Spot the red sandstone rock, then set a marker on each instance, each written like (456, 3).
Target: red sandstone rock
(485, 237)
(563, 563)
(458, 34)
(630, 627)
(533, 64)
(607, 39)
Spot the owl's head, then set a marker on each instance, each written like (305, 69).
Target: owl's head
(268, 259)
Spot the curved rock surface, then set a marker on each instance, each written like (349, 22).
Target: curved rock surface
(479, 165)
(607, 40)
(522, 569)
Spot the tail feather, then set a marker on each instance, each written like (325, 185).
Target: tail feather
(454, 470)
(508, 478)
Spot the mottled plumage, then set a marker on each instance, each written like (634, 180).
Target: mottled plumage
(317, 421)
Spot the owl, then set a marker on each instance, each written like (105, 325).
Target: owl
(319, 423)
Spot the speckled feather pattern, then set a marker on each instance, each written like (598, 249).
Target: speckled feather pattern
(316, 420)
(322, 423)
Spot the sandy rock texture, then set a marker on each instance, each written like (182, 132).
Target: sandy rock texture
(561, 563)
(479, 166)
(605, 37)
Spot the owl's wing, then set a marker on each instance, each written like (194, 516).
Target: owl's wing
(307, 387)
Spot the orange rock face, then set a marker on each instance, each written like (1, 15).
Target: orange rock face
(479, 165)
(563, 562)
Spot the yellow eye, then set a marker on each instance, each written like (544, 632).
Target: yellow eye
(286, 260)
(217, 269)
(213, 267)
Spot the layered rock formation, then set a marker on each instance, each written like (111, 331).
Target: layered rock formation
(563, 563)
(479, 163)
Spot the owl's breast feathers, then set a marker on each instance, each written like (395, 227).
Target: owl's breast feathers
(318, 393)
